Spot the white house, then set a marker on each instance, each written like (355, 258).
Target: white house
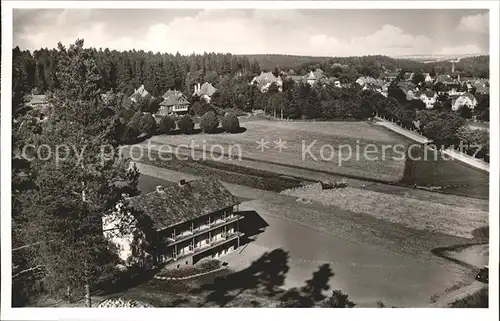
(429, 98)
(265, 79)
(466, 99)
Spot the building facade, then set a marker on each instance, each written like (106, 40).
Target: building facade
(177, 225)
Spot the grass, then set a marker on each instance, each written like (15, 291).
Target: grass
(338, 137)
(229, 173)
(475, 300)
(460, 221)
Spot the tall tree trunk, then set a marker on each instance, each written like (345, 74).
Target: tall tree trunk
(88, 302)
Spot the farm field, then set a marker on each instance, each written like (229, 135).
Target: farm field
(343, 152)
(422, 215)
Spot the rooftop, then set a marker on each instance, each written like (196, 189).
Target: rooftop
(176, 204)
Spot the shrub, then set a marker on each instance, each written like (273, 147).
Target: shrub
(135, 122)
(186, 124)
(209, 122)
(129, 133)
(166, 125)
(338, 300)
(148, 124)
(231, 123)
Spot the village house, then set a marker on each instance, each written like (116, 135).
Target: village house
(466, 99)
(265, 79)
(38, 102)
(181, 224)
(174, 103)
(429, 98)
(139, 93)
(204, 92)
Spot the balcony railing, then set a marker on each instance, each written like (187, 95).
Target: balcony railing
(202, 229)
(205, 246)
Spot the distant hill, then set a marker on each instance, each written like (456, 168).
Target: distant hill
(286, 62)
(477, 66)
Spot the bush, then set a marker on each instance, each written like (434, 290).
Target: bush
(148, 124)
(186, 124)
(338, 300)
(209, 122)
(135, 122)
(166, 125)
(231, 123)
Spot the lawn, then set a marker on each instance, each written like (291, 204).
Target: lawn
(458, 220)
(336, 147)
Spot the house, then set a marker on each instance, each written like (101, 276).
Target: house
(466, 99)
(370, 83)
(265, 79)
(390, 76)
(176, 225)
(38, 102)
(174, 103)
(205, 91)
(139, 93)
(428, 78)
(429, 98)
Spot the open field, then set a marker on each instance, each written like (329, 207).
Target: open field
(418, 214)
(335, 147)
(452, 176)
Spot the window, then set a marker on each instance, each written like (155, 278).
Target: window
(178, 265)
(186, 262)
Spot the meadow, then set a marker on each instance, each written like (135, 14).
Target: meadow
(332, 147)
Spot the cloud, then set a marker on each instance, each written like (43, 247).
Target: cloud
(478, 23)
(292, 32)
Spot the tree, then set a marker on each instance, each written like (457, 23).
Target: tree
(135, 122)
(418, 78)
(148, 124)
(397, 93)
(167, 124)
(209, 122)
(465, 111)
(338, 300)
(231, 123)
(185, 124)
(76, 186)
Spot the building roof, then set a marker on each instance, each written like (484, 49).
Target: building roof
(38, 99)
(429, 93)
(177, 204)
(311, 76)
(171, 92)
(297, 78)
(443, 78)
(408, 75)
(266, 77)
(206, 89)
(468, 95)
(140, 92)
(175, 100)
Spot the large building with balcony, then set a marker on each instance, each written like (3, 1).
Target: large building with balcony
(177, 225)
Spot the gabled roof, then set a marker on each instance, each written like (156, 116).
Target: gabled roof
(38, 99)
(311, 76)
(468, 95)
(140, 92)
(318, 74)
(428, 93)
(175, 100)
(266, 77)
(443, 78)
(171, 92)
(177, 204)
(206, 89)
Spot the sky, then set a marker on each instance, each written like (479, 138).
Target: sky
(325, 32)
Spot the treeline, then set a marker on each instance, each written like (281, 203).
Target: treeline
(126, 70)
(370, 65)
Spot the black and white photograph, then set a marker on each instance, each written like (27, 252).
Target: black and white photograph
(249, 155)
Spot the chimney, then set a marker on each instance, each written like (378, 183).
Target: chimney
(199, 86)
(195, 91)
(159, 189)
(182, 182)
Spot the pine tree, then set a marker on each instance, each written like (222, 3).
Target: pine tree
(76, 185)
